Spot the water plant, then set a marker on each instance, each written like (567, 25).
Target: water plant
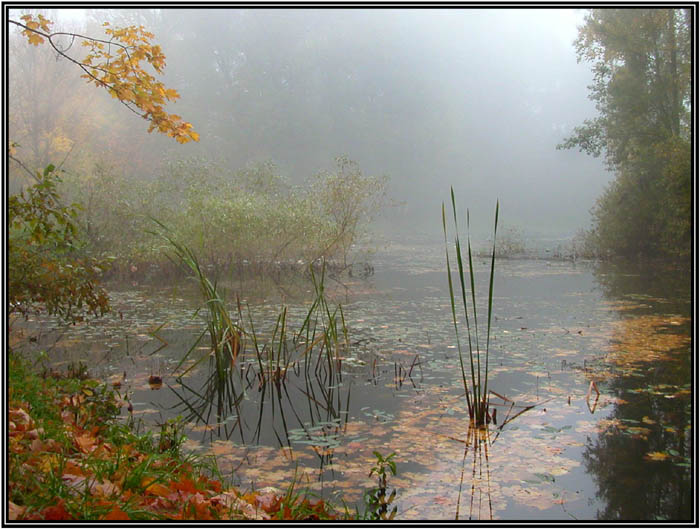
(317, 345)
(224, 334)
(376, 501)
(477, 396)
(333, 332)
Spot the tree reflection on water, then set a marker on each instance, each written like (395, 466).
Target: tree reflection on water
(641, 461)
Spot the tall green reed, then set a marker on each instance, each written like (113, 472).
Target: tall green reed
(323, 331)
(476, 395)
(225, 335)
(332, 335)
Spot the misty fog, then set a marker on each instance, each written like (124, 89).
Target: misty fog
(472, 98)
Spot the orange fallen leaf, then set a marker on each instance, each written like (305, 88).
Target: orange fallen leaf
(231, 501)
(37, 446)
(47, 463)
(19, 416)
(185, 485)
(56, 512)
(16, 511)
(214, 484)
(116, 514)
(70, 467)
(155, 488)
(68, 416)
(86, 442)
(105, 488)
(201, 507)
(33, 434)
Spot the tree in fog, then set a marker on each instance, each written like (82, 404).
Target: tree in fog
(642, 69)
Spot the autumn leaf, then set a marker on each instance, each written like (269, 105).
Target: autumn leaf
(231, 500)
(268, 501)
(184, 484)
(201, 506)
(116, 514)
(56, 512)
(85, 442)
(105, 488)
(20, 417)
(70, 467)
(16, 511)
(47, 463)
(155, 489)
(68, 417)
(212, 484)
(656, 456)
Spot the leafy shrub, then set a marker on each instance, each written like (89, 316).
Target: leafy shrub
(252, 216)
(46, 268)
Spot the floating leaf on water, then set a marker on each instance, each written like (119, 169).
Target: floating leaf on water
(656, 456)
(545, 477)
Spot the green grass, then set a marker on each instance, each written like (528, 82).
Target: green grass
(225, 336)
(475, 385)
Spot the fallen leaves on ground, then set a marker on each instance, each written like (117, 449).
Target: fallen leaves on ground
(93, 471)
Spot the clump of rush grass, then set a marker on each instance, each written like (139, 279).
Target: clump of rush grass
(329, 338)
(476, 385)
(323, 331)
(225, 335)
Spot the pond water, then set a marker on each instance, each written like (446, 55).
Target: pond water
(560, 447)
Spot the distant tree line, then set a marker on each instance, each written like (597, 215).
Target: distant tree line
(642, 65)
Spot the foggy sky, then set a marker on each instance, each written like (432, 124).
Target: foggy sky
(472, 98)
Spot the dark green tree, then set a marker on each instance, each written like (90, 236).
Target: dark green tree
(641, 63)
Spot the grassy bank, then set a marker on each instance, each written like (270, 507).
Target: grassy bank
(71, 458)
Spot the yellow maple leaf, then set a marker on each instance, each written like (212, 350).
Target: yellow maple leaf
(45, 23)
(656, 456)
(33, 38)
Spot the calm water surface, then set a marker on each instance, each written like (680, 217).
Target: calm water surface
(558, 449)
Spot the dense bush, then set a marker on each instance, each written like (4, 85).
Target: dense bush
(46, 265)
(251, 217)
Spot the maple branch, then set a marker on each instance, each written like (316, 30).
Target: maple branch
(82, 66)
(126, 81)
